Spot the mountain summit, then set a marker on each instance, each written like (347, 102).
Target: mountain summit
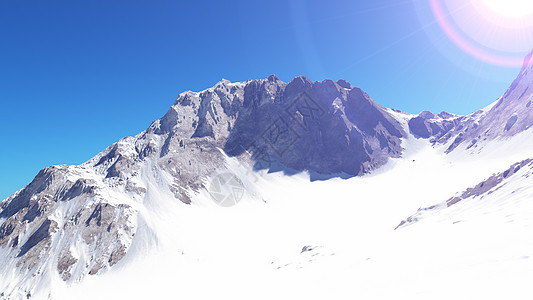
(326, 128)
(71, 222)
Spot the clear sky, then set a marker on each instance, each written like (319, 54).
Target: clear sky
(76, 76)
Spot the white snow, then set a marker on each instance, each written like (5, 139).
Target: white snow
(477, 249)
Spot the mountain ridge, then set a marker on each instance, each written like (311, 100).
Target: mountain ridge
(96, 205)
(74, 221)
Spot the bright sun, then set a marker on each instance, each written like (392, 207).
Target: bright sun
(511, 8)
(495, 31)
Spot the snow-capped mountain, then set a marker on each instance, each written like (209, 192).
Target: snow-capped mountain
(146, 217)
(508, 116)
(77, 220)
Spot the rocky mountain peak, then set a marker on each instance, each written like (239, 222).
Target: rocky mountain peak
(300, 81)
(273, 78)
(314, 126)
(345, 84)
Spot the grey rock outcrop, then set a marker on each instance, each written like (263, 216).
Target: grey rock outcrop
(321, 127)
(486, 187)
(29, 221)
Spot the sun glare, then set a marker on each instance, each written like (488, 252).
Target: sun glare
(511, 8)
(495, 31)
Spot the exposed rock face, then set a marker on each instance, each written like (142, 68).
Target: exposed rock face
(327, 128)
(65, 263)
(439, 128)
(29, 222)
(321, 127)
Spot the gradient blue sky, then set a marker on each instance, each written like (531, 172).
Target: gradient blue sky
(76, 76)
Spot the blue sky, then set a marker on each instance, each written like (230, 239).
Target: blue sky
(76, 76)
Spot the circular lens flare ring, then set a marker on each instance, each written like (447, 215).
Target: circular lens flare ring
(467, 45)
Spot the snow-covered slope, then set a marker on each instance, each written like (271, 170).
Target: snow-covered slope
(256, 248)
(149, 217)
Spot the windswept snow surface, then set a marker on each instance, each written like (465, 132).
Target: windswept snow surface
(290, 238)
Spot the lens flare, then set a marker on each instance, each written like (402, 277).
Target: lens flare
(510, 8)
(494, 31)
